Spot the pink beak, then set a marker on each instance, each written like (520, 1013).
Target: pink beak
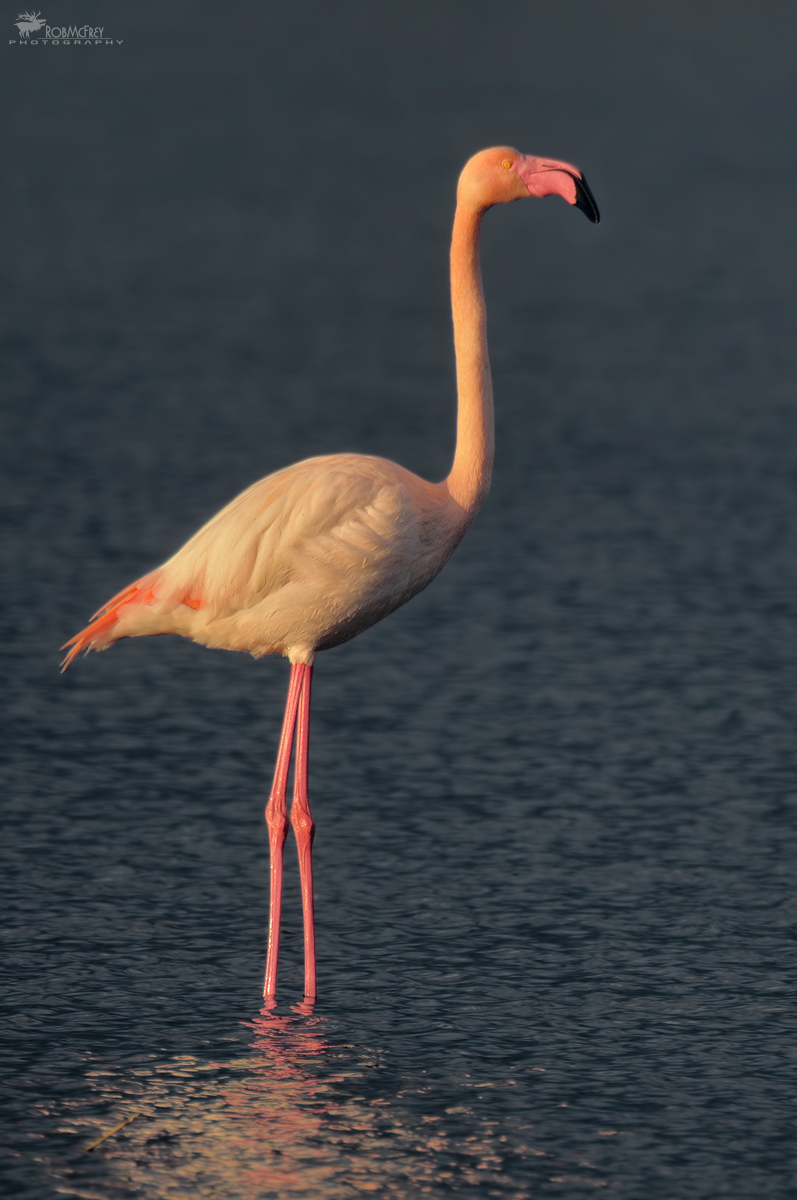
(547, 177)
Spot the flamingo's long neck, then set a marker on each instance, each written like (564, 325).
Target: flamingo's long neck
(473, 459)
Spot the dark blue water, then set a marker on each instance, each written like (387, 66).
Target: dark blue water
(555, 795)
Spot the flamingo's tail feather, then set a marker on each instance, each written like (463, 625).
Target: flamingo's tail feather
(87, 637)
(93, 636)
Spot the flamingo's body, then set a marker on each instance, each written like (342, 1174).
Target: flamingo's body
(301, 561)
(314, 554)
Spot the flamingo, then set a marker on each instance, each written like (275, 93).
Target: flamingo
(310, 556)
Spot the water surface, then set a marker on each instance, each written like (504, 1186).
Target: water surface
(555, 794)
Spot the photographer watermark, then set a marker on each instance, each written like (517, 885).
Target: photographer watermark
(30, 26)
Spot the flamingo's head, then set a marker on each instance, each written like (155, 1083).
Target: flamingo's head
(500, 175)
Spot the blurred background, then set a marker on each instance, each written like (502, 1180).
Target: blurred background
(555, 794)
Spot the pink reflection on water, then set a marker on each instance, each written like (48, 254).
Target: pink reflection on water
(287, 1118)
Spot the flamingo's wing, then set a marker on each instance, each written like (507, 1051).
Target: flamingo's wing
(286, 526)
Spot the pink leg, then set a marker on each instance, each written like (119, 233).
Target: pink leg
(304, 829)
(277, 822)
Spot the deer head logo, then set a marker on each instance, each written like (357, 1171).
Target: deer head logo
(28, 23)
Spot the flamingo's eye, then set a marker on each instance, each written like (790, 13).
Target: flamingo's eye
(506, 164)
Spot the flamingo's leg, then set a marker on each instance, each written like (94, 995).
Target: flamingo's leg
(277, 822)
(304, 829)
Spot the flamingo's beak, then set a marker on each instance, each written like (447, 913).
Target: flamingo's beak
(585, 200)
(549, 177)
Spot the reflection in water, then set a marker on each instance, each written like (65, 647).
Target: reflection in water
(299, 1116)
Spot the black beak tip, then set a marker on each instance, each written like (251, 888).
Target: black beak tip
(586, 201)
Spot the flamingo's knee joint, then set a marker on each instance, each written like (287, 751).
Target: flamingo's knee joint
(303, 824)
(277, 825)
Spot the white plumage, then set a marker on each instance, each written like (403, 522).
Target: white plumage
(301, 561)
